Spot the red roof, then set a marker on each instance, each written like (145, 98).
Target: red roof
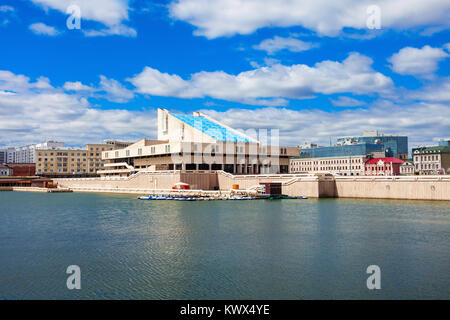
(385, 160)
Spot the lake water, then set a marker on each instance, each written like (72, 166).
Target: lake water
(282, 249)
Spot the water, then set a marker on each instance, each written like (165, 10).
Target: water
(286, 249)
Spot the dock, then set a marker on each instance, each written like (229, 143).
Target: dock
(35, 189)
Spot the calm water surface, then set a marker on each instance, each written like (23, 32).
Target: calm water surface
(288, 249)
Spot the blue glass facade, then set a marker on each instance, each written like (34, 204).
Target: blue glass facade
(444, 143)
(342, 151)
(211, 128)
(395, 146)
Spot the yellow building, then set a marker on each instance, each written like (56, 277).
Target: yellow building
(66, 161)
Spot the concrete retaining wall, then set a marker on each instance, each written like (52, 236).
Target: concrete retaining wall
(418, 188)
(414, 187)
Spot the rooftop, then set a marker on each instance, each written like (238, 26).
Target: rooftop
(433, 149)
(385, 160)
(211, 128)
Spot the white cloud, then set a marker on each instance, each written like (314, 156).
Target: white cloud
(111, 13)
(313, 125)
(77, 86)
(35, 110)
(344, 101)
(43, 29)
(447, 47)
(228, 17)
(418, 62)
(276, 44)
(115, 90)
(437, 91)
(266, 85)
(119, 30)
(109, 89)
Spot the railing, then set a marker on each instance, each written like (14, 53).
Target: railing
(394, 178)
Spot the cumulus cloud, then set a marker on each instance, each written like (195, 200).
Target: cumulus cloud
(436, 91)
(276, 44)
(266, 85)
(109, 89)
(115, 90)
(418, 62)
(313, 125)
(43, 29)
(36, 110)
(228, 17)
(77, 86)
(111, 13)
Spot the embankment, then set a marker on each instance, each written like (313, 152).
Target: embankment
(317, 186)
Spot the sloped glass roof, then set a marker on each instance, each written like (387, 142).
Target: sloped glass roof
(211, 128)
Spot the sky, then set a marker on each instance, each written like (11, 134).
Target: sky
(82, 71)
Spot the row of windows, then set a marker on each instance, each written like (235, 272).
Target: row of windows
(98, 149)
(321, 162)
(327, 168)
(427, 166)
(426, 158)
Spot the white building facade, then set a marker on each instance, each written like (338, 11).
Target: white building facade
(27, 154)
(346, 166)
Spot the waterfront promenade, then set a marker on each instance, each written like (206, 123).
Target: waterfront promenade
(315, 186)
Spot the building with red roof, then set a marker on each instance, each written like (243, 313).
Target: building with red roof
(383, 166)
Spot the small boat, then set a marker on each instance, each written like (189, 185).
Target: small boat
(240, 198)
(144, 198)
(186, 199)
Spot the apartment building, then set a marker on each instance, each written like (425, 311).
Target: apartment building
(27, 154)
(69, 161)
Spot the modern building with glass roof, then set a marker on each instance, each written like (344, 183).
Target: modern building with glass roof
(198, 142)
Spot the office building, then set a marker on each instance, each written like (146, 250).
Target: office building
(394, 146)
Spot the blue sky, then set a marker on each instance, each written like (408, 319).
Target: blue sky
(312, 69)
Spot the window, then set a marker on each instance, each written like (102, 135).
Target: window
(139, 151)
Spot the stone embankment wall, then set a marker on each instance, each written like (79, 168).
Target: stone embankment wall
(407, 187)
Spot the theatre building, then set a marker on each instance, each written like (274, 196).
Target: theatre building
(198, 142)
